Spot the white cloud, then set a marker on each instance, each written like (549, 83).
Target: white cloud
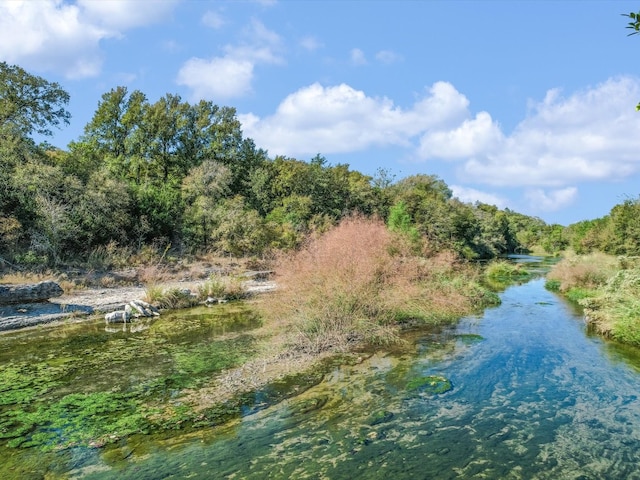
(551, 201)
(342, 119)
(124, 14)
(357, 57)
(213, 19)
(591, 135)
(47, 35)
(388, 57)
(51, 35)
(216, 78)
(475, 136)
(310, 43)
(231, 75)
(471, 195)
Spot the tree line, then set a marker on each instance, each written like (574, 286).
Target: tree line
(180, 174)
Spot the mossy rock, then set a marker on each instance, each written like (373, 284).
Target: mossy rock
(431, 385)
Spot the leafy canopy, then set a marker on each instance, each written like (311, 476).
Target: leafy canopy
(633, 25)
(30, 104)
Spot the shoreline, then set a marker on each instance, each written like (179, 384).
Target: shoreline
(85, 303)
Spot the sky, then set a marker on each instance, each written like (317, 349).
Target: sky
(526, 105)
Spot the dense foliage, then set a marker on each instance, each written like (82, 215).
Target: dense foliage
(172, 173)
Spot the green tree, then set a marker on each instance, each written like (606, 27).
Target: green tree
(47, 199)
(239, 230)
(113, 135)
(163, 122)
(202, 190)
(105, 211)
(30, 104)
(625, 228)
(634, 26)
(555, 239)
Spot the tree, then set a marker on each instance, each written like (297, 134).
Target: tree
(202, 190)
(634, 25)
(239, 230)
(114, 120)
(30, 104)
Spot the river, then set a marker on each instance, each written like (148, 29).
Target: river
(521, 392)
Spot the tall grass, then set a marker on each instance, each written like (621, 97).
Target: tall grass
(609, 290)
(586, 272)
(357, 284)
(614, 309)
(503, 269)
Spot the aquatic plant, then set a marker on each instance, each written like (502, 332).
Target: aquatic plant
(430, 384)
(85, 387)
(230, 287)
(503, 269)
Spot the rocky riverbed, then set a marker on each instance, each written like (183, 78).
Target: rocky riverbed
(79, 304)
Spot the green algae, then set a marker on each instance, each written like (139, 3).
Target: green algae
(82, 385)
(469, 338)
(430, 384)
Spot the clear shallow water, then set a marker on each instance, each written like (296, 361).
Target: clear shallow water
(533, 397)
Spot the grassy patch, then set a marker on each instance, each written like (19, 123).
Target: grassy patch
(503, 269)
(588, 271)
(609, 290)
(614, 309)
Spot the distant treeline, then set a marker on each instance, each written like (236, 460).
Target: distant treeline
(176, 174)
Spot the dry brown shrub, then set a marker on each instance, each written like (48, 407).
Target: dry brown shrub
(153, 274)
(351, 285)
(585, 271)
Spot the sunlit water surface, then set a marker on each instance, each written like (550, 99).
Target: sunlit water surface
(533, 397)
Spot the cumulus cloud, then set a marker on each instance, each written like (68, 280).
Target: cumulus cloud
(474, 136)
(471, 195)
(48, 35)
(543, 201)
(342, 119)
(51, 35)
(590, 135)
(217, 78)
(231, 75)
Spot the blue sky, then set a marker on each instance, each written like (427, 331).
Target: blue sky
(528, 105)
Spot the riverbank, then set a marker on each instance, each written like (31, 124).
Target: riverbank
(192, 368)
(89, 293)
(607, 287)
